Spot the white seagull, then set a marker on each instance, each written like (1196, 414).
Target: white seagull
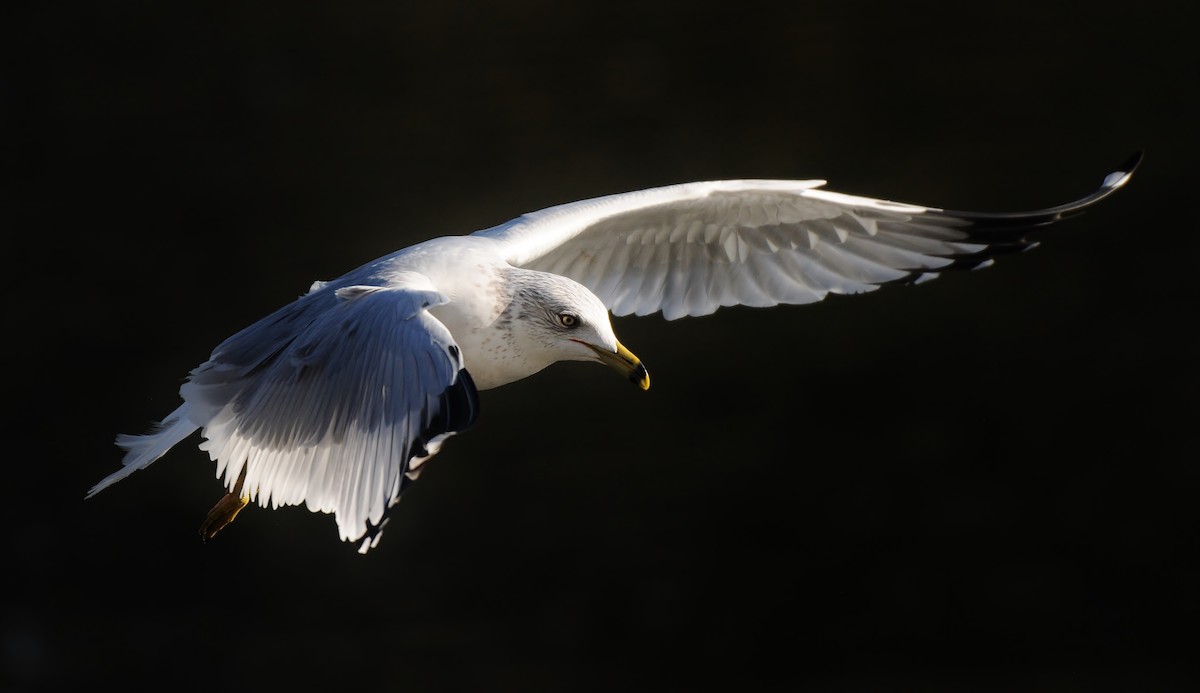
(339, 398)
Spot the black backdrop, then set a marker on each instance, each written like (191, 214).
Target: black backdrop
(987, 482)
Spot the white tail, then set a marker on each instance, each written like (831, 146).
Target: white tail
(142, 450)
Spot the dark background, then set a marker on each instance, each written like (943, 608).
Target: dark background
(984, 483)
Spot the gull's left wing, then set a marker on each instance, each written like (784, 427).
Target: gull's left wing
(689, 249)
(335, 401)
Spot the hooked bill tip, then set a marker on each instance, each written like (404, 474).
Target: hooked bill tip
(640, 376)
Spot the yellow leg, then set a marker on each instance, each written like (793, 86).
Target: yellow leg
(225, 510)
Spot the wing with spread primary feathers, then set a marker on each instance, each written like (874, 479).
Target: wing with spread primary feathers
(689, 249)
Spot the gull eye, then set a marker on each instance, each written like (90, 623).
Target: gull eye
(568, 319)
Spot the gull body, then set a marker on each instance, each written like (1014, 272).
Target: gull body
(337, 399)
(489, 307)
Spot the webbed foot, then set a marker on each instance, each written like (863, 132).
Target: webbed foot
(225, 510)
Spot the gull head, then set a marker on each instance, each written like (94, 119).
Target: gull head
(552, 318)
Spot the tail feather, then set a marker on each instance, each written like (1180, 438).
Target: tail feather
(142, 450)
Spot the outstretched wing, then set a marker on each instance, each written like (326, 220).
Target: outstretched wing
(689, 249)
(334, 401)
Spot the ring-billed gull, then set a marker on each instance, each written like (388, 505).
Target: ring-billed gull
(339, 398)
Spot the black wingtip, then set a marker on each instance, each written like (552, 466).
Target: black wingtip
(1119, 177)
(1133, 161)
